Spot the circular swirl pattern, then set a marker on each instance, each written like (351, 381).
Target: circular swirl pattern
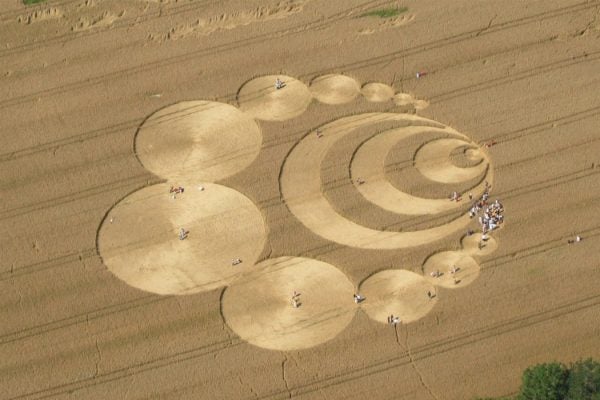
(397, 292)
(259, 307)
(141, 244)
(451, 268)
(260, 98)
(334, 89)
(289, 303)
(198, 140)
(377, 92)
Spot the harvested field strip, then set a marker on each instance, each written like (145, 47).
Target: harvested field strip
(127, 22)
(418, 353)
(137, 180)
(11, 15)
(539, 248)
(436, 44)
(132, 370)
(494, 262)
(526, 74)
(49, 264)
(81, 318)
(198, 54)
(88, 253)
(134, 124)
(167, 62)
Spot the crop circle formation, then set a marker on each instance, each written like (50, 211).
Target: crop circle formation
(138, 246)
(191, 234)
(258, 307)
(202, 140)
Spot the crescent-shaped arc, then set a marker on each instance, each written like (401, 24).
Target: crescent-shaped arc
(368, 164)
(301, 190)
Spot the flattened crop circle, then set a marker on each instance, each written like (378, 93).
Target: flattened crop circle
(334, 89)
(139, 242)
(262, 100)
(258, 307)
(198, 140)
(397, 292)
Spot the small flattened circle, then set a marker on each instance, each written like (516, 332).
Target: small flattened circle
(139, 239)
(406, 99)
(198, 140)
(401, 293)
(451, 269)
(259, 306)
(334, 89)
(403, 99)
(261, 99)
(377, 92)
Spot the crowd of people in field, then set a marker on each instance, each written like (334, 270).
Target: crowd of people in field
(490, 214)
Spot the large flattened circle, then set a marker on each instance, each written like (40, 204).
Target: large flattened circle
(397, 292)
(199, 140)
(260, 98)
(258, 306)
(334, 89)
(139, 239)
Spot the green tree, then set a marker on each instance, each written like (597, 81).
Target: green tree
(544, 382)
(584, 381)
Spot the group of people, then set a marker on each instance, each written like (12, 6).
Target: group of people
(438, 274)
(493, 213)
(492, 217)
(176, 190)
